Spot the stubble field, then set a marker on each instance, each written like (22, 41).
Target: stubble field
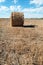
(21, 45)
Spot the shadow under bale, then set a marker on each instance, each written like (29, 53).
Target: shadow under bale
(29, 26)
(17, 19)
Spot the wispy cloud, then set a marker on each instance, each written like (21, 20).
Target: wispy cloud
(39, 9)
(2, 1)
(15, 8)
(4, 8)
(33, 12)
(36, 2)
(30, 11)
(5, 11)
(10, 8)
(19, 8)
(15, 1)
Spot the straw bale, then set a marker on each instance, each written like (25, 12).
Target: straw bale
(17, 19)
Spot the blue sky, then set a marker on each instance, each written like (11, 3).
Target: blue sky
(30, 8)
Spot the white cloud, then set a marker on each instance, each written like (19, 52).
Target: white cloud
(33, 15)
(19, 8)
(28, 12)
(2, 0)
(15, 1)
(15, 8)
(5, 11)
(33, 12)
(37, 2)
(4, 8)
(12, 8)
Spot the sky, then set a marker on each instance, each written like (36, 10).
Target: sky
(30, 8)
